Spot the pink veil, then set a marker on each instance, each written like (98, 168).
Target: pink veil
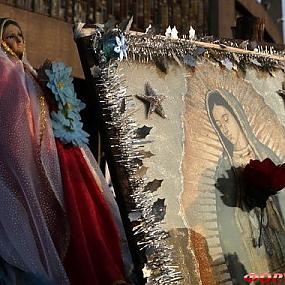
(33, 226)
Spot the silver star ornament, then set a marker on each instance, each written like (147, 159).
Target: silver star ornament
(154, 101)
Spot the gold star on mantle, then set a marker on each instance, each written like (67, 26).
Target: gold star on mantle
(153, 100)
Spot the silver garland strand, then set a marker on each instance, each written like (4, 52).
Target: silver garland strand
(144, 48)
(126, 146)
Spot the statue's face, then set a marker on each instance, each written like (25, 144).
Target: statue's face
(226, 123)
(13, 37)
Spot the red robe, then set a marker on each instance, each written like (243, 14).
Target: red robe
(94, 255)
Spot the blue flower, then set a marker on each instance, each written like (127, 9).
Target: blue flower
(114, 46)
(68, 130)
(121, 46)
(71, 110)
(59, 120)
(78, 105)
(66, 122)
(60, 82)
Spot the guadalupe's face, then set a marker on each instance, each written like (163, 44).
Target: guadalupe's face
(226, 123)
(13, 37)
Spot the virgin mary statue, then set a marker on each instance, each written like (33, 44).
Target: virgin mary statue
(58, 222)
(260, 248)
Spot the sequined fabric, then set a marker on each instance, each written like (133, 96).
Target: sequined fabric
(33, 227)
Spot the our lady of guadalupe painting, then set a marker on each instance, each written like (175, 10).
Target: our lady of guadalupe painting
(203, 118)
(235, 125)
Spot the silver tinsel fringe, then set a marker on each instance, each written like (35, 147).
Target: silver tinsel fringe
(144, 48)
(126, 145)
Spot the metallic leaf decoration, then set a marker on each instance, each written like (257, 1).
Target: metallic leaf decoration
(255, 62)
(236, 58)
(138, 161)
(126, 24)
(141, 171)
(200, 51)
(252, 45)
(227, 63)
(190, 60)
(154, 101)
(159, 209)
(152, 30)
(161, 64)
(175, 57)
(243, 44)
(123, 105)
(153, 185)
(146, 154)
(143, 132)
(134, 216)
(95, 71)
(150, 251)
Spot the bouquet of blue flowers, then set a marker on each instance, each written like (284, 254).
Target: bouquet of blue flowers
(66, 120)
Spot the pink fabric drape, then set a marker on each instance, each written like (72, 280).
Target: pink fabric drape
(33, 226)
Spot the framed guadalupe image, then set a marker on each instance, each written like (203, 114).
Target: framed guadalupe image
(181, 120)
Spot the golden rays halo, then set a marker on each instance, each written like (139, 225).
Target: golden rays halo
(202, 151)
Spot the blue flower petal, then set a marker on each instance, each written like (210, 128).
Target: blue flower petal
(66, 122)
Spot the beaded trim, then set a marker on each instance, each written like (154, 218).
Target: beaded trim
(8, 50)
(42, 116)
(42, 105)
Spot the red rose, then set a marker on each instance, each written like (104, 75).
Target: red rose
(278, 178)
(264, 175)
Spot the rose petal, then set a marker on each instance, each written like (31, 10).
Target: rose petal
(257, 174)
(278, 179)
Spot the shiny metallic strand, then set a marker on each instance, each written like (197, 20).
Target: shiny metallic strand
(126, 146)
(144, 48)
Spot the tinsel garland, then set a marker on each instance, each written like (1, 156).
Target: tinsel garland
(146, 48)
(126, 145)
